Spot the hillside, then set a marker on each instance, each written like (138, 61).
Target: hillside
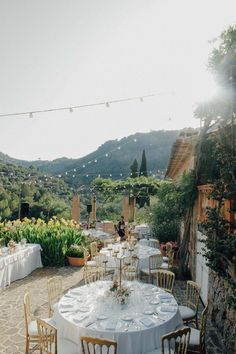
(112, 159)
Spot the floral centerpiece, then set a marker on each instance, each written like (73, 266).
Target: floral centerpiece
(119, 292)
(11, 246)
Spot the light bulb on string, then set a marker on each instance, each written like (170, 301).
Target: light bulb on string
(71, 110)
(31, 115)
(107, 104)
(141, 99)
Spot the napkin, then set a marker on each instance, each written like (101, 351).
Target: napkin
(66, 306)
(167, 308)
(79, 318)
(146, 321)
(165, 296)
(111, 325)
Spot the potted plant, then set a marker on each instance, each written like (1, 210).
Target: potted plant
(75, 255)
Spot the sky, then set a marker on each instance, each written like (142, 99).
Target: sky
(62, 53)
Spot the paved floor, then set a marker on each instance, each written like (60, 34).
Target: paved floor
(12, 327)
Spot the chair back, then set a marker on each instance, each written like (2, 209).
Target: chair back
(47, 337)
(154, 243)
(170, 256)
(90, 276)
(130, 268)
(176, 342)
(165, 280)
(27, 310)
(93, 249)
(54, 286)
(93, 345)
(155, 261)
(192, 295)
(203, 329)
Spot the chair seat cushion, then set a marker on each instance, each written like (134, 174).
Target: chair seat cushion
(165, 259)
(186, 312)
(91, 263)
(33, 328)
(65, 346)
(164, 265)
(146, 271)
(194, 338)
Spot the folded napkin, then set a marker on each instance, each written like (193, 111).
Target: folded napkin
(111, 325)
(66, 306)
(79, 318)
(146, 321)
(165, 296)
(168, 308)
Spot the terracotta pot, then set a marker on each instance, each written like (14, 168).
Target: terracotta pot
(75, 262)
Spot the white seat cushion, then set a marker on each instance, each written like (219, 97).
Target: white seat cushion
(91, 263)
(164, 265)
(194, 337)
(165, 259)
(65, 346)
(146, 271)
(186, 312)
(32, 328)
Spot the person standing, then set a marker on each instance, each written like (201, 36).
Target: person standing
(121, 228)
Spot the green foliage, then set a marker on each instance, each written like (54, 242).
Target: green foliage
(47, 196)
(134, 169)
(75, 251)
(55, 237)
(173, 201)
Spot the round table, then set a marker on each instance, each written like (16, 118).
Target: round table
(92, 310)
(141, 251)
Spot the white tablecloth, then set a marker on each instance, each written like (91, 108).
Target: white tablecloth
(142, 230)
(19, 264)
(143, 252)
(136, 326)
(96, 233)
(146, 242)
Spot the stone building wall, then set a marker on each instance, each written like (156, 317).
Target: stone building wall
(220, 314)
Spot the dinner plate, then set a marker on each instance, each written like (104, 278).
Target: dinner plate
(148, 312)
(83, 309)
(101, 317)
(127, 318)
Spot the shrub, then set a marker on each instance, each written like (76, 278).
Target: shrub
(75, 251)
(54, 237)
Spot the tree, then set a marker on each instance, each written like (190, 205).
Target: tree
(143, 166)
(134, 169)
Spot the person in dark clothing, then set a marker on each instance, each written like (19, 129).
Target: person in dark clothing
(121, 228)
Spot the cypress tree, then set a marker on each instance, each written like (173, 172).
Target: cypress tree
(134, 169)
(143, 166)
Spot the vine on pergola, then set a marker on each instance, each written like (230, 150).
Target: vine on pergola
(140, 187)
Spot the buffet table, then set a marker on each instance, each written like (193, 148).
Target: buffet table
(137, 326)
(19, 264)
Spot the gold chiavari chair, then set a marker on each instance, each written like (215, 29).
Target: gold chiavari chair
(93, 275)
(174, 342)
(92, 345)
(154, 263)
(188, 310)
(130, 268)
(93, 249)
(154, 243)
(54, 286)
(197, 342)
(32, 336)
(49, 343)
(165, 280)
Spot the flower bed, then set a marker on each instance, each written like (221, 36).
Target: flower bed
(55, 237)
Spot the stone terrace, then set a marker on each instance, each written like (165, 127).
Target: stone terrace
(12, 326)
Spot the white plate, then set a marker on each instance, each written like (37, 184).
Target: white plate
(127, 318)
(101, 317)
(148, 312)
(154, 302)
(83, 309)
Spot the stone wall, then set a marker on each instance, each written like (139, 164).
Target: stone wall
(220, 314)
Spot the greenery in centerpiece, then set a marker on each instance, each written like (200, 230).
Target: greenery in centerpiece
(119, 292)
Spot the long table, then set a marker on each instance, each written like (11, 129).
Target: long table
(19, 264)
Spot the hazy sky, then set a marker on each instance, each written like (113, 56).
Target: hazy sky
(57, 53)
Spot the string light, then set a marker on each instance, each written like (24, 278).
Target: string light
(71, 109)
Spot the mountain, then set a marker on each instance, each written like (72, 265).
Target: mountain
(112, 159)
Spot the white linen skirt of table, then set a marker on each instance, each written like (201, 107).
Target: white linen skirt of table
(19, 264)
(129, 342)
